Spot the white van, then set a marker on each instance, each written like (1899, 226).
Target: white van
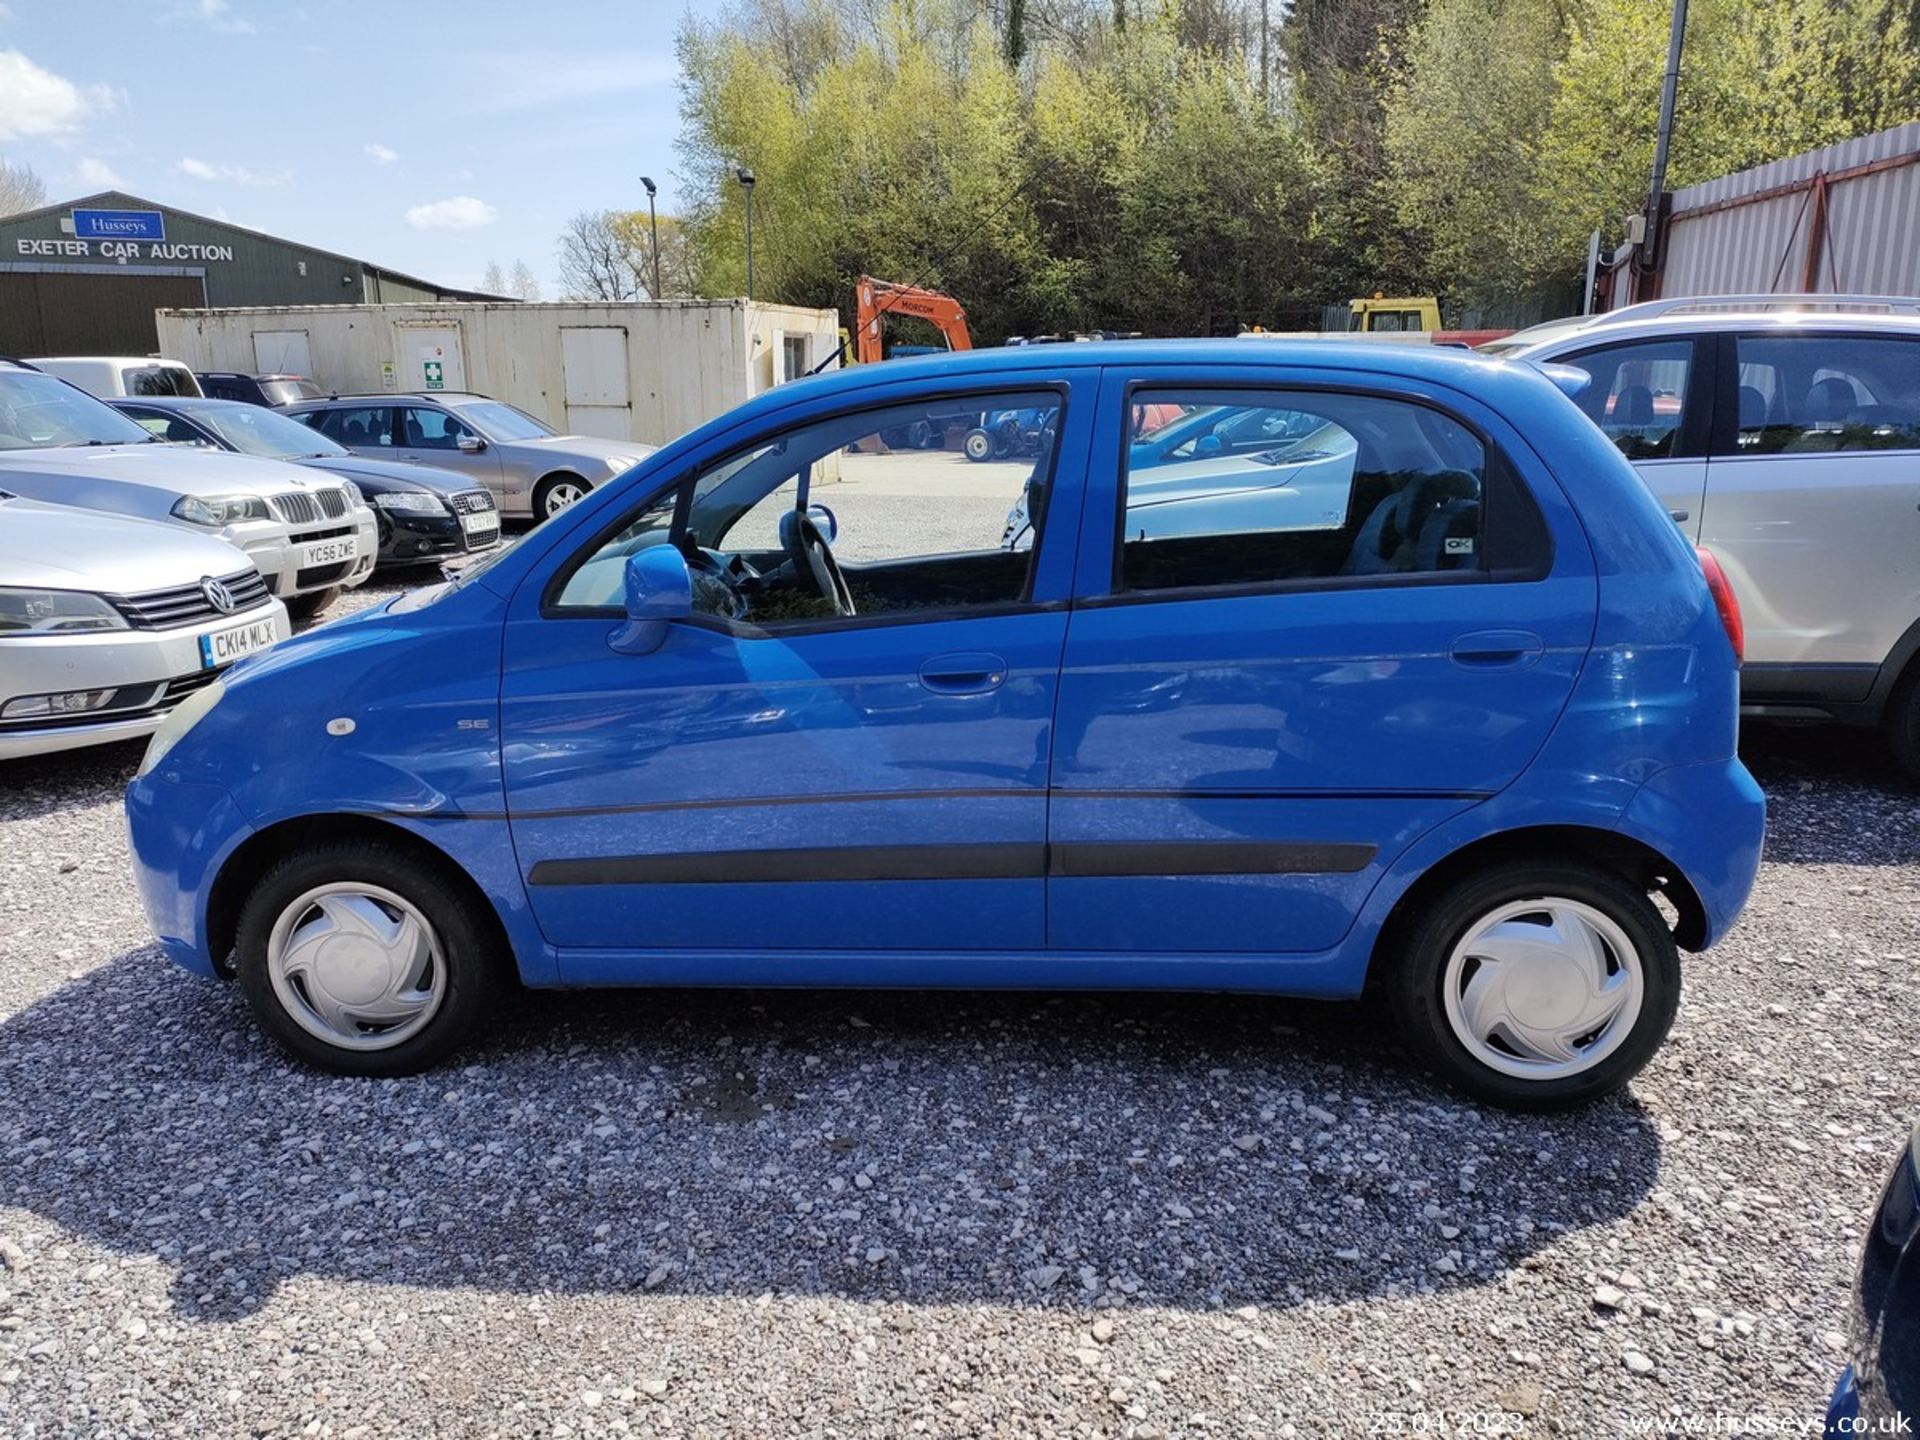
(112, 376)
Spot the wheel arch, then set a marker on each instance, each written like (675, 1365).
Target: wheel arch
(260, 851)
(554, 476)
(1633, 860)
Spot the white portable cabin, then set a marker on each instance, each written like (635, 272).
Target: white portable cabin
(638, 370)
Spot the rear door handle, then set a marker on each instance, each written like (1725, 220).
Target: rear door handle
(972, 672)
(1493, 649)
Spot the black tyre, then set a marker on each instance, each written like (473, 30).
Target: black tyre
(556, 493)
(1902, 723)
(360, 958)
(1536, 985)
(305, 607)
(978, 445)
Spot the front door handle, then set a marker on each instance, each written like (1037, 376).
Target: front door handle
(972, 672)
(1496, 649)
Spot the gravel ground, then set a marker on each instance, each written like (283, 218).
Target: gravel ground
(838, 1215)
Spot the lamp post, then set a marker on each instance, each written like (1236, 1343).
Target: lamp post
(745, 177)
(653, 223)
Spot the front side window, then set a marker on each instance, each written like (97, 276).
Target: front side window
(1808, 394)
(1638, 397)
(1299, 486)
(428, 429)
(931, 506)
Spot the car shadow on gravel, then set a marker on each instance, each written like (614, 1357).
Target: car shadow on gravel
(1835, 796)
(44, 784)
(1188, 1151)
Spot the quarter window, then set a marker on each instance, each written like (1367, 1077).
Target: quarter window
(1639, 395)
(1289, 486)
(932, 506)
(1808, 394)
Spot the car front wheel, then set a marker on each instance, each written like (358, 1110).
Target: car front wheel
(362, 959)
(305, 607)
(1537, 985)
(556, 493)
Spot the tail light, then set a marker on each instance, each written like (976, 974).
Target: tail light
(1726, 602)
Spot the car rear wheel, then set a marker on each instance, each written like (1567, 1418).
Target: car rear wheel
(1537, 985)
(305, 607)
(1903, 722)
(362, 959)
(556, 493)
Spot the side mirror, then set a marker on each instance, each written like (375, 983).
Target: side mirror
(659, 591)
(472, 444)
(826, 520)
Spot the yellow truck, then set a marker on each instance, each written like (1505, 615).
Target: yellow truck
(1384, 315)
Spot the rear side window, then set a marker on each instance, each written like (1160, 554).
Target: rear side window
(1808, 394)
(356, 426)
(1256, 487)
(1639, 394)
(159, 380)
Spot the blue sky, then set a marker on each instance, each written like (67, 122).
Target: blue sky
(428, 137)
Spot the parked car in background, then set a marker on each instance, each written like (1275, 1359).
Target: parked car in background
(423, 513)
(309, 535)
(1783, 434)
(531, 469)
(257, 389)
(108, 375)
(106, 624)
(1451, 740)
(1881, 1387)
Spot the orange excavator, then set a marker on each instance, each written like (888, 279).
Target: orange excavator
(875, 299)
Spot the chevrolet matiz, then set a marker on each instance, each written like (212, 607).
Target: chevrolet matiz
(776, 708)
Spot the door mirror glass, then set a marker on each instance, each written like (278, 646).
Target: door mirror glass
(659, 591)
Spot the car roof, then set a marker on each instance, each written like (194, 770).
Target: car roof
(1705, 314)
(103, 360)
(250, 375)
(181, 402)
(360, 397)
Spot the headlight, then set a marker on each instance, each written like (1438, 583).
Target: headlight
(55, 612)
(355, 496)
(622, 462)
(188, 713)
(414, 502)
(220, 510)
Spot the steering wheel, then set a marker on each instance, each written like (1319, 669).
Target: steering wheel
(812, 558)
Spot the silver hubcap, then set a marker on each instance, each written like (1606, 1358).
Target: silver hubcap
(561, 495)
(1543, 989)
(356, 966)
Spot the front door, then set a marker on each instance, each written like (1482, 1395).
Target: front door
(1299, 656)
(428, 435)
(845, 752)
(1813, 500)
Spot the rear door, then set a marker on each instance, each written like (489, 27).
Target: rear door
(1275, 681)
(1813, 500)
(1654, 400)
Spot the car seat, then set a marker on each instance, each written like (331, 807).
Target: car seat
(1408, 530)
(1829, 401)
(1632, 408)
(1753, 408)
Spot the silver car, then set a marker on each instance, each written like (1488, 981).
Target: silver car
(1782, 432)
(106, 624)
(308, 534)
(531, 469)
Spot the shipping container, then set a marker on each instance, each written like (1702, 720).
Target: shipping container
(639, 370)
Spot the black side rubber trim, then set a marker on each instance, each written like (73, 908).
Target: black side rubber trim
(1206, 857)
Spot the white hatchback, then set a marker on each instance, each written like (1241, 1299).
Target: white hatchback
(1783, 434)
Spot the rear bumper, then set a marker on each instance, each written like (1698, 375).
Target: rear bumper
(1711, 821)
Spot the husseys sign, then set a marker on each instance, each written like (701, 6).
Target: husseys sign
(120, 235)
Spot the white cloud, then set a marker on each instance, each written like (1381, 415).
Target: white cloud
(97, 174)
(380, 154)
(462, 212)
(234, 174)
(37, 102)
(215, 14)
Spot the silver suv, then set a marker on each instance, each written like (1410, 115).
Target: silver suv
(530, 468)
(1783, 433)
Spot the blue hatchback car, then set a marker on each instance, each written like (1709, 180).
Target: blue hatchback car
(776, 708)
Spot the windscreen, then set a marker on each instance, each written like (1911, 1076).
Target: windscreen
(38, 411)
